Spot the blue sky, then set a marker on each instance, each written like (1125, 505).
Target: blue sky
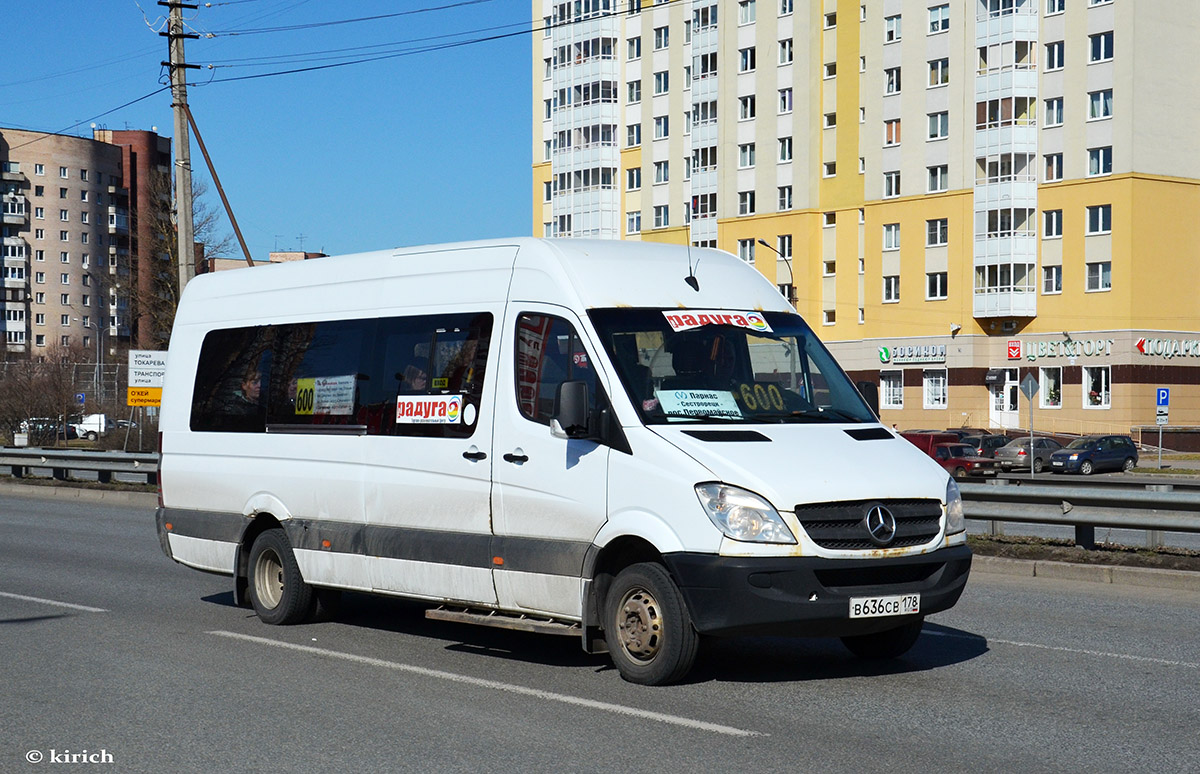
(424, 147)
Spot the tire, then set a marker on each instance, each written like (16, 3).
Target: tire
(277, 590)
(960, 473)
(892, 643)
(1038, 464)
(91, 436)
(1086, 468)
(647, 627)
(1127, 466)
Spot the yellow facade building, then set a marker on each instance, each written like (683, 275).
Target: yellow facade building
(958, 194)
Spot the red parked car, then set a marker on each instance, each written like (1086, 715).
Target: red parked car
(961, 460)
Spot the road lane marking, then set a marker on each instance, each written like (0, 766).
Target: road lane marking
(699, 725)
(1081, 651)
(39, 600)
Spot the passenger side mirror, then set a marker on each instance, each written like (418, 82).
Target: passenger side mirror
(870, 393)
(571, 418)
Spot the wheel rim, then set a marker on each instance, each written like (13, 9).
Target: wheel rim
(1085, 468)
(640, 625)
(1037, 465)
(268, 578)
(1128, 466)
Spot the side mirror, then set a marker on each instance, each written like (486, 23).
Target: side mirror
(870, 393)
(571, 418)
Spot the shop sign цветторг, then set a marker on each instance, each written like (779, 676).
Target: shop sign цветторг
(1032, 350)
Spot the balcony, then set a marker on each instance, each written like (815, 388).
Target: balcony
(1005, 302)
(11, 173)
(118, 221)
(15, 212)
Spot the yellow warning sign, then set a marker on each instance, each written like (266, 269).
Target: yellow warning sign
(144, 396)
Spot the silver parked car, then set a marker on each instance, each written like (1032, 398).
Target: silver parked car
(1015, 454)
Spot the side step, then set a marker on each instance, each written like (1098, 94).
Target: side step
(500, 620)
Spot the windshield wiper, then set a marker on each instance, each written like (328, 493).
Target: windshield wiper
(707, 417)
(820, 415)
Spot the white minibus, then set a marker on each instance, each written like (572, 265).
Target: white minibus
(635, 444)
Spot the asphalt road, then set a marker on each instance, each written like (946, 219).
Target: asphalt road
(108, 646)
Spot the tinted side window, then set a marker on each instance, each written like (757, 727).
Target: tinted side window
(228, 395)
(550, 352)
(317, 372)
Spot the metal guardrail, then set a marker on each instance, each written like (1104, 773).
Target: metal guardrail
(62, 461)
(1154, 507)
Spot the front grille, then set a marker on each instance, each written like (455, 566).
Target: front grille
(839, 526)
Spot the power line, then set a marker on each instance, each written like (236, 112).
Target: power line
(315, 25)
(93, 118)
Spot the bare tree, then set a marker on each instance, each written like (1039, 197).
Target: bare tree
(40, 388)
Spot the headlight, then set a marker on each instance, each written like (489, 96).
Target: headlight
(1074, 456)
(743, 515)
(955, 521)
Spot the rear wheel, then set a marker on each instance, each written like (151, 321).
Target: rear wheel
(1086, 468)
(960, 473)
(892, 643)
(647, 627)
(277, 589)
(91, 436)
(1128, 465)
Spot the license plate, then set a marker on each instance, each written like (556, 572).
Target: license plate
(1057, 463)
(1007, 463)
(875, 607)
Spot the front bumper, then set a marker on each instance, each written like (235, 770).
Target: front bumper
(810, 596)
(1063, 466)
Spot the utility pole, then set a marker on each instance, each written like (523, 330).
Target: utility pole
(186, 252)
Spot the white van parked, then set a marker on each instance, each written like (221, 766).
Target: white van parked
(632, 443)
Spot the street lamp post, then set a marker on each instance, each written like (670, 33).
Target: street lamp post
(97, 381)
(791, 274)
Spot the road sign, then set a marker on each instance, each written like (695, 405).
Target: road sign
(1163, 396)
(81, 398)
(1029, 386)
(146, 370)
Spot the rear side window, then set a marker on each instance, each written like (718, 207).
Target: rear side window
(414, 376)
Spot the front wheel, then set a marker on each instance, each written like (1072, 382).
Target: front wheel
(1038, 464)
(960, 473)
(1086, 468)
(91, 436)
(647, 627)
(892, 643)
(1128, 466)
(277, 589)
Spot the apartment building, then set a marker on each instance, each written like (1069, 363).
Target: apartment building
(78, 236)
(957, 194)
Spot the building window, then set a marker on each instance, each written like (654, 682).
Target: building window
(662, 172)
(891, 236)
(829, 169)
(939, 72)
(937, 232)
(939, 178)
(1051, 224)
(746, 203)
(746, 108)
(939, 126)
(64, 257)
(746, 12)
(633, 48)
(1055, 6)
(785, 7)
(662, 82)
(662, 38)
(828, 268)
(939, 19)
(891, 28)
(662, 216)
(1051, 280)
(935, 285)
(785, 149)
(783, 243)
(1097, 387)
(633, 135)
(933, 383)
(891, 184)
(785, 197)
(891, 389)
(891, 132)
(62, 173)
(635, 92)
(633, 178)
(662, 127)
(1054, 111)
(747, 60)
(1101, 47)
(1054, 55)
(1099, 161)
(891, 80)
(633, 222)
(785, 100)
(64, 279)
(786, 54)
(828, 316)
(830, 121)
(1054, 167)
(830, 20)
(746, 250)
(891, 289)
(1050, 387)
(1099, 276)
(39, 169)
(830, 70)
(1099, 219)
(746, 155)
(1100, 104)
(828, 219)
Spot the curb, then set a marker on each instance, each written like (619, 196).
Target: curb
(1145, 577)
(139, 499)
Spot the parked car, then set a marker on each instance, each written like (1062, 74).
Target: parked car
(985, 445)
(44, 430)
(93, 426)
(926, 441)
(1095, 453)
(960, 460)
(1015, 454)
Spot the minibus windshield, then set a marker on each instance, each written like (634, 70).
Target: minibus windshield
(726, 366)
